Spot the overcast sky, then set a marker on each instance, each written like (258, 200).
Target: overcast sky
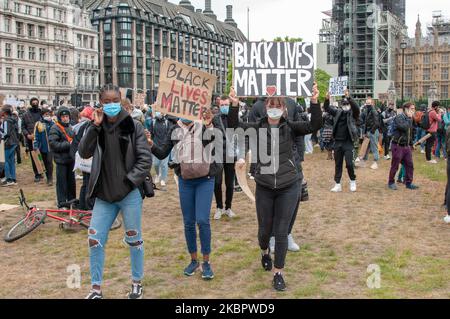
(298, 18)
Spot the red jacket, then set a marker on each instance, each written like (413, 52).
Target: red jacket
(435, 118)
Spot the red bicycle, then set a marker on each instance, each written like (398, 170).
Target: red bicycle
(35, 217)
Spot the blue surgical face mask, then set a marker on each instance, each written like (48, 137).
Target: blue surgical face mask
(112, 109)
(158, 114)
(224, 109)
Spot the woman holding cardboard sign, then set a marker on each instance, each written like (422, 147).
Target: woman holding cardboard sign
(277, 188)
(196, 170)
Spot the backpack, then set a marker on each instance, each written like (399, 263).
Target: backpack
(425, 121)
(190, 154)
(392, 127)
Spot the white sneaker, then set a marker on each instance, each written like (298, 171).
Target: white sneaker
(157, 179)
(447, 219)
(353, 186)
(218, 214)
(163, 184)
(337, 188)
(432, 162)
(252, 178)
(272, 244)
(387, 157)
(357, 160)
(292, 246)
(422, 152)
(374, 166)
(230, 213)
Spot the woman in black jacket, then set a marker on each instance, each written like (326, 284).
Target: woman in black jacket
(195, 183)
(60, 138)
(277, 187)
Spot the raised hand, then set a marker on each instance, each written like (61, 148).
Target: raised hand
(98, 117)
(233, 98)
(207, 117)
(149, 138)
(316, 93)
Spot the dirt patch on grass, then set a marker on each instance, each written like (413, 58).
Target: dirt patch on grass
(340, 235)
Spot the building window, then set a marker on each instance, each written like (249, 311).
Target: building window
(444, 74)
(426, 74)
(28, 10)
(7, 25)
(57, 56)
(79, 40)
(64, 57)
(20, 51)
(408, 92)
(42, 54)
(32, 53)
(8, 50)
(444, 92)
(32, 77)
(39, 12)
(16, 7)
(19, 28)
(30, 28)
(408, 75)
(426, 59)
(21, 76)
(64, 78)
(58, 78)
(41, 31)
(445, 58)
(43, 77)
(9, 75)
(426, 88)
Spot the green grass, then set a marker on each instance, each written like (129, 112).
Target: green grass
(434, 172)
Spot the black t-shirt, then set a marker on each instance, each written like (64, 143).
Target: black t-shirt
(342, 132)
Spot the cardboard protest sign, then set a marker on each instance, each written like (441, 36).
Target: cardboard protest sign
(338, 86)
(2, 98)
(2, 151)
(262, 69)
(183, 90)
(138, 99)
(38, 161)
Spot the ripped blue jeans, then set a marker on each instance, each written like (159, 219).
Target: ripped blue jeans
(103, 216)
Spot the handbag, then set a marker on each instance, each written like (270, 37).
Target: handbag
(148, 187)
(84, 165)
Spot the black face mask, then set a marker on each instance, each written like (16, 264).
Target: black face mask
(34, 106)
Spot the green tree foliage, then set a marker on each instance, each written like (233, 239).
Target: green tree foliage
(229, 78)
(323, 80)
(287, 39)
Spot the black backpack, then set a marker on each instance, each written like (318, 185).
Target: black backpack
(425, 121)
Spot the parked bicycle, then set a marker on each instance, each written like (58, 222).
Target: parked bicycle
(34, 217)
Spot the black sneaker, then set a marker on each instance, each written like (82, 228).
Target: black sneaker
(137, 292)
(94, 294)
(278, 282)
(266, 262)
(37, 179)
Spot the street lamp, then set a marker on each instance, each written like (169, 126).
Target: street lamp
(403, 46)
(392, 95)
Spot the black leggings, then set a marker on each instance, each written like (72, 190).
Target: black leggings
(429, 146)
(341, 150)
(386, 144)
(228, 169)
(274, 209)
(65, 183)
(47, 158)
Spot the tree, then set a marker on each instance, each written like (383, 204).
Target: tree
(287, 39)
(323, 81)
(229, 78)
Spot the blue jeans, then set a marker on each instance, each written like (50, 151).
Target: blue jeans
(373, 146)
(10, 163)
(161, 167)
(103, 216)
(195, 200)
(440, 145)
(420, 133)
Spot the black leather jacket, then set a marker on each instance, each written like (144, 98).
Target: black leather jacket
(352, 117)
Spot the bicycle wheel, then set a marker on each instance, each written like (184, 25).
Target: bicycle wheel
(25, 226)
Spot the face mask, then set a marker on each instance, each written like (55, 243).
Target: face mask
(346, 108)
(224, 109)
(274, 113)
(34, 105)
(47, 118)
(158, 115)
(112, 109)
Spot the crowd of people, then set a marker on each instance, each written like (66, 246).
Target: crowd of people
(118, 143)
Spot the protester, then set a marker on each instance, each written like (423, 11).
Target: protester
(87, 115)
(440, 136)
(435, 117)
(386, 117)
(60, 138)
(420, 132)
(121, 160)
(229, 160)
(195, 183)
(402, 142)
(10, 135)
(160, 128)
(41, 142)
(370, 122)
(29, 120)
(326, 135)
(20, 136)
(345, 133)
(276, 193)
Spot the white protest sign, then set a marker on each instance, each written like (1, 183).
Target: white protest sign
(338, 86)
(264, 69)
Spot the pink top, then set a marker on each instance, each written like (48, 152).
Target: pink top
(435, 118)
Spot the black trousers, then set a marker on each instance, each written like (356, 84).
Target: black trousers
(85, 202)
(344, 149)
(429, 146)
(386, 143)
(48, 163)
(18, 155)
(65, 183)
(228, 170)
(29, 147)
(294, 216)
(274, 209)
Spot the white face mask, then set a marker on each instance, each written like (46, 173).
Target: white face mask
(346, 108)
(274, 113)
